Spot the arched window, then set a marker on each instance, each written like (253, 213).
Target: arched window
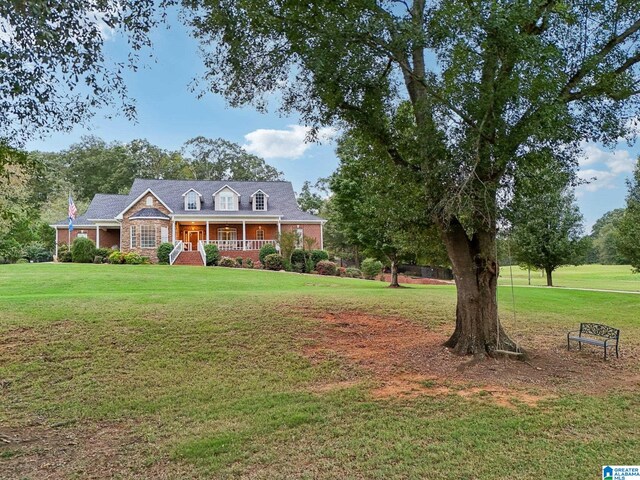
(259, 201)
(192, 201)
(149, 201)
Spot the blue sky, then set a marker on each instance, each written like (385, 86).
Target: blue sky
(169, 113)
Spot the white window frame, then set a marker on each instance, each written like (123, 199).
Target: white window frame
(187, 201)
(149, 201)
(222, 231)
(300, 237)
(133, 236)
(263, 197)
(260, 234)
(82, 235)
(164, 234)
(227, 201)
(144, 236)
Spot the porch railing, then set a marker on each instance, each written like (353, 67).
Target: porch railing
(203, 254)
(177, 250)
(240, 244)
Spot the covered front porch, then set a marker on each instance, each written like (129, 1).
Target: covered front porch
(227, 236)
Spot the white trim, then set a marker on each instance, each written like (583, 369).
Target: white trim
(226, 186)
(97, 236)
(265, 202)
(191, 189)
(244, 235)
(207, 227)
(322, 236)
(120, 216)
(227, 218)
(173, 232)
(150, 218)
(133, 236)
(57, 241)
(260, 190)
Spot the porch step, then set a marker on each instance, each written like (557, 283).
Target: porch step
(189, 258)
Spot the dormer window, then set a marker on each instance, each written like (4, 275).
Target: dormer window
(149, 201)
(226, 201)
(192, 200)
(259, 200)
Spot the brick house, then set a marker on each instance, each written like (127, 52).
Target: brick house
(238, 217)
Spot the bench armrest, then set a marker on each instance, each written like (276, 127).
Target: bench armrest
(573, 331)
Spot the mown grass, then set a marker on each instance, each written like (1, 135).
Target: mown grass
(207, 365)
(606, 277)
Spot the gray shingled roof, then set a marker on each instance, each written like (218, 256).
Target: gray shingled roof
(281, 202)
(102, 207)
(282, 199)
(149, 213)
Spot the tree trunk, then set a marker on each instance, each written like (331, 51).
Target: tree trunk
(549, 277)
(475, 267)
(394, 274)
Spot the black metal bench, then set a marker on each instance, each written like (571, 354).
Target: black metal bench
(609, 334)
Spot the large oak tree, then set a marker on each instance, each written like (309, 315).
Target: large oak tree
(489, 83)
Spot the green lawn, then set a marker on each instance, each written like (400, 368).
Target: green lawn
(607, 277)
(185, 372)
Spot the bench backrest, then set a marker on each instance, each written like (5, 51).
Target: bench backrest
(599, 330)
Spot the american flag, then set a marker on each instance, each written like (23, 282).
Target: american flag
(73, 211)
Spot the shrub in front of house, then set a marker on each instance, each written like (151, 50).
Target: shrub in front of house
(341, 272)
(133, 258)
(116, 257)
(163, 252)
(352, 272)
(267, 249)
(239, 261)
(274, 261)
(325, 267)
(22, 260)
(248, 263)
(299, 256)
(227, 262)
(212, 253)
(64, 254)
(371, 268)
(258, 265)
(83, 250)
(37, 252)
(297, 267)
(317, 256)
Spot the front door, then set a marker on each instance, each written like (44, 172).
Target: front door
(194, 237)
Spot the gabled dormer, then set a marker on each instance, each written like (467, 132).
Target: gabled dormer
(192, 200)
(226, 199)
(259, 201)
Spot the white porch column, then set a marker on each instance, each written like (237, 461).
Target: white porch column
(97, 236)
(244, 234)
(57, 230)
(207, 232)
(279, 227)
(322, 236)
(173, 231)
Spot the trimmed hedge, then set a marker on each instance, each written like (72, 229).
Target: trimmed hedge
(163, 252)
(83, 250)
(325, 267)
(116, 257)
(212, 253)
(267, 249)
(133, 258)
(274, 261)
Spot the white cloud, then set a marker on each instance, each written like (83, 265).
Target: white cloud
(605, 166)
(618, 161)
(291, 143)
(598, 180)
